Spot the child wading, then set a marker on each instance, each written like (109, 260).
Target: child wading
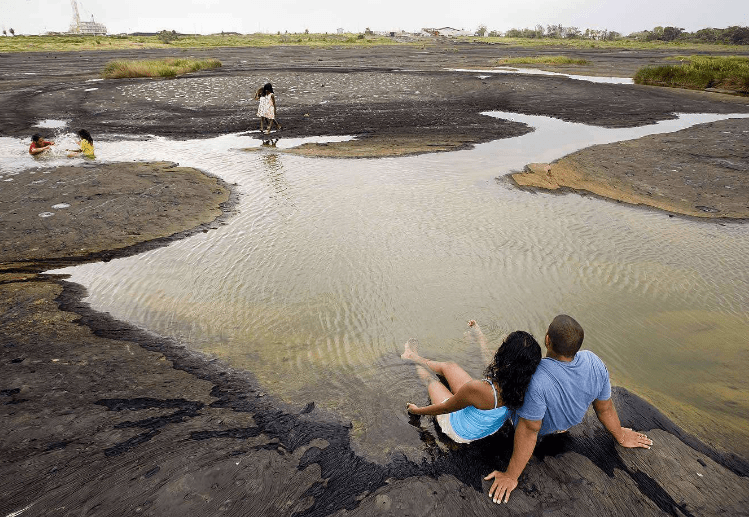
(266, 108)
(86, 145)
(39, 145)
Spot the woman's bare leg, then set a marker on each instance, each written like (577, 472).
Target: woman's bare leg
(475, 334)
(455, 375)
(438, 392)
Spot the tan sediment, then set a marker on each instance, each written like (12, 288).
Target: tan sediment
(569, 173)
(699, 172)
(377, 146)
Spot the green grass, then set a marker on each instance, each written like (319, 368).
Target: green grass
(64, 43)
(157, 67)
(700, 72)
(623, 43)
(542, 60)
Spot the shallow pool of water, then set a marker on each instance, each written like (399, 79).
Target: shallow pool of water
(534, 71)
(330, 265)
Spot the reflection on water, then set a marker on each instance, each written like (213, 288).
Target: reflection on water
(534, 71)
(331, 265)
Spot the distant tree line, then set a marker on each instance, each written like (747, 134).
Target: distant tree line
(560, 32)
(734, 35)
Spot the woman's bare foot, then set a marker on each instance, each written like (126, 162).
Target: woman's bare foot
(475, 335)
(411, 350)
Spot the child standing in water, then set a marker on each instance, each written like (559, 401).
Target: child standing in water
(472, 409)
(260, 96)
(266, 109)
(86, 143)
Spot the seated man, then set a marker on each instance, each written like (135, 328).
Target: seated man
(560, 392)
(39, 145)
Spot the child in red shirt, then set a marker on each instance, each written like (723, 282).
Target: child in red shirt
(38, 145)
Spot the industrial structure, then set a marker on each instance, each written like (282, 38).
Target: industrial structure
(82, 27)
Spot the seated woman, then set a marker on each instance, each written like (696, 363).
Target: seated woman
(86, 143)
(472, 409)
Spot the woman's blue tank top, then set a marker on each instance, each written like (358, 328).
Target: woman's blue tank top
(471, 423)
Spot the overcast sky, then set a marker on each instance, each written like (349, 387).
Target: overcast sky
(210, 16)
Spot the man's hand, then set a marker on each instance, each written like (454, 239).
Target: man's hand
(502, 486)
(632, 439)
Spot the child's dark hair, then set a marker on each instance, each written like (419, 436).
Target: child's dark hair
(35, 137)
(513, 365)
(268, 88)
(85, 135)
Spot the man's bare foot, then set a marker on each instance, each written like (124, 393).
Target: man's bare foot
(411, 350)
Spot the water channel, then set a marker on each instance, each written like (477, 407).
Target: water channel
(330, 265)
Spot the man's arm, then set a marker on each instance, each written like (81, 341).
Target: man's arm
(624, 436)
(526, 435)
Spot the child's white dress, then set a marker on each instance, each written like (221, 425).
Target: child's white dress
(265, 107)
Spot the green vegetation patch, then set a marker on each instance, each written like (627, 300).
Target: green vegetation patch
(700, 72)
(542, 60)
(171, 39)
(157, 67)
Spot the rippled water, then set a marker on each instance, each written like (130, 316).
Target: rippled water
(330, 265)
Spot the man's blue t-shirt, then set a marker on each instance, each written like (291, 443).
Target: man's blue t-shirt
(560, 393)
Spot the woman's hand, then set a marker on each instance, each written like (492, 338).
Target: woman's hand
(411, 408)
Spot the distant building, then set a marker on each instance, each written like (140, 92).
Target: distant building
(448, 32)
(340, 31)
(89, 28)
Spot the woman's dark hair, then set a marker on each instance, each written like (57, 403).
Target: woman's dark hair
(513, 365)
(86, 136)
(268, 88)
(35, 137)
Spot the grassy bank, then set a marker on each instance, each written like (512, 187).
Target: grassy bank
(64, 43)
(157, 67)
(618, 44)
(699, 73)
(542, 60)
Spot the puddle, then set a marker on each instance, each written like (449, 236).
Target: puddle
(330, 265)
(51, 123)
(533, 71)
